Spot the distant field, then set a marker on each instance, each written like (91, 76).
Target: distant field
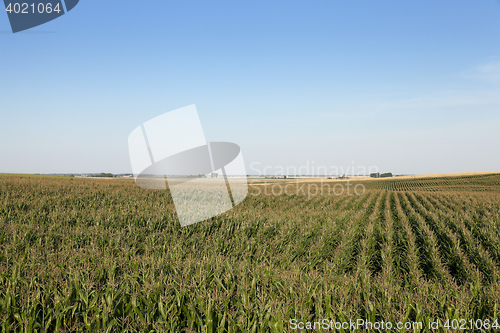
(83, 254)
(480, 182)
(464, 182)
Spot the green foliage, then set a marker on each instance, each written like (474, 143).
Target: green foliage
(96, 255)
(103, 174)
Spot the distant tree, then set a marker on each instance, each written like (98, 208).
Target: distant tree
(385, 175)
(375, 175)
(103, 174)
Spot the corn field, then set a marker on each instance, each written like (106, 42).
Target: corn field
(96, 255)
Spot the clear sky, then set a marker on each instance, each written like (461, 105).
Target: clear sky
(411, 87)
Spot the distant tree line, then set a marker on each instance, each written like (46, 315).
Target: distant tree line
(103, 174)
(381, 175)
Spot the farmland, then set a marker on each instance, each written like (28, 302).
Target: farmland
(105, 255)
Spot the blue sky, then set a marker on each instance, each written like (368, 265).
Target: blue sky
(407, 87)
